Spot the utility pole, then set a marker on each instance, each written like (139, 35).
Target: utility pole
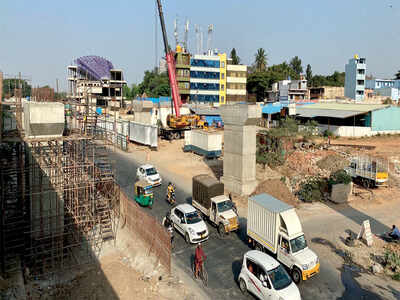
(57, 89)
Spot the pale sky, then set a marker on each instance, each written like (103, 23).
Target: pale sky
(40, 38)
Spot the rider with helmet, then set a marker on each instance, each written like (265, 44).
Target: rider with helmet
(170, 192)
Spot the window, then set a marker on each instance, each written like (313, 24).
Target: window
(285, 245)
(222, 75)
(222, 99)
(223, 64)
(255, 269)
(222, 87)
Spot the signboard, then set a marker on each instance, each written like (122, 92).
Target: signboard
(366, 233)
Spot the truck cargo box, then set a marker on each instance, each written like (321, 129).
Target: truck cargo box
(205, 187)
(266, 215)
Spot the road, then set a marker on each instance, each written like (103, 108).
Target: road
(224, 255)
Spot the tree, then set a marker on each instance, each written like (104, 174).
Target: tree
(9, 86)
(154, 84)
(295, 64)
(260, 60)
(258, 83)
(397, 75)
(336, 79)
(309, 74)
(235, 58)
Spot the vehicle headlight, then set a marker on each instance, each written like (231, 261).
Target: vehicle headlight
(305, 266)
(191, 230)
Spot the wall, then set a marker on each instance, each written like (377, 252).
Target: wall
(354, 131)
(43, 119)
(392, 93)
(386, 119)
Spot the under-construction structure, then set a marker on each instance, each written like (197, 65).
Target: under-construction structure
(58, 199)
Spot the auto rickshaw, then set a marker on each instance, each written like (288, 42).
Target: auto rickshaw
(144, 194)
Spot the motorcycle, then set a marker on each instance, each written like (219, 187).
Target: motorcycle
(170, 228)
(171, 199)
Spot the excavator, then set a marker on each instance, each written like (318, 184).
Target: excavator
(177, 124)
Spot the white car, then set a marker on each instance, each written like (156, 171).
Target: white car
(149, 174)
(188, 222)
(266, 278)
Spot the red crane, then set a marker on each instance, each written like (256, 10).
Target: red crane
(169, 55)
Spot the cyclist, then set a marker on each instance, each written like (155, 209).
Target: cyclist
(199, 258)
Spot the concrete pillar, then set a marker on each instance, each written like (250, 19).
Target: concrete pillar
(240, 122)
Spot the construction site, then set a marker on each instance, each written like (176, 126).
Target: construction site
(211, 187)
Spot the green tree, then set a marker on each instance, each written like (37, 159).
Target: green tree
(154, 84)
(295, 64)
(258, 84)
(235, 58)
(309, 74)
(126, 92)
(9, 86)
(260, 60)
(336, 79)
(134, 91)
(397, 75)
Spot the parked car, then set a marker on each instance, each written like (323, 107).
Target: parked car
(187, 221)
(266, 278)
(149, 174)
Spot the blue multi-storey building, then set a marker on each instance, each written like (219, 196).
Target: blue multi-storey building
(205, 78)
(354, 85)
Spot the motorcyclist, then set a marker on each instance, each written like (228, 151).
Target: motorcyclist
(170, 191)
(199, 258)
(394, 233)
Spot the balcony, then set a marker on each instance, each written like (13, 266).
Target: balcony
(183, 78)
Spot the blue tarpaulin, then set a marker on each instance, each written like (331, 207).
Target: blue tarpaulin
(272, 108)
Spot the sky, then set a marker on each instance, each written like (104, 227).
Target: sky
(41, 38)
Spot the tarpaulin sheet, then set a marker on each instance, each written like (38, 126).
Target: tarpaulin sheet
(143, 134)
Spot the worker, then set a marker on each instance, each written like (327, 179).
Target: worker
(233, 203)
(199, 258)
(395, 233)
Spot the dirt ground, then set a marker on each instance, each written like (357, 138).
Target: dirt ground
(126, 271)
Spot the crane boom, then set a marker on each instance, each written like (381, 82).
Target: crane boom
(169, 55)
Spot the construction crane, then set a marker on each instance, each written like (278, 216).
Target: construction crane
(177, 123)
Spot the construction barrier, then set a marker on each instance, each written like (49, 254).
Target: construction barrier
(143, 133)
(148, 229)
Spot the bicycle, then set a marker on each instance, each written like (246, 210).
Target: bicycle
(202, 274)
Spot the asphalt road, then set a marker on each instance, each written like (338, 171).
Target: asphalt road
(224, 255)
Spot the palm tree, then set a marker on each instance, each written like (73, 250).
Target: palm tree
(261, 60)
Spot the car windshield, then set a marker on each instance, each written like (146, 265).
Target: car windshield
(192, 217)
(298, 244)
(151, 171)
(224, 206)
(279, 278)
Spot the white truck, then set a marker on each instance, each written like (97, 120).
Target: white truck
(274, 226)
(208, 197)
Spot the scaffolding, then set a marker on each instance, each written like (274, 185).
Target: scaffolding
(58, 199)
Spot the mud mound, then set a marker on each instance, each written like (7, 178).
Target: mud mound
(277, 189)
(332, 163)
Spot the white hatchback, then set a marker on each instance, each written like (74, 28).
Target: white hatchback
(266, 278)
(188, 222)
(149, 174)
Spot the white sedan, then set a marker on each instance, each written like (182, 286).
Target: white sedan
(149, 174)
(188, 222)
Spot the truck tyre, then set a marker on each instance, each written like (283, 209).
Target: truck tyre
(296, 275)
(242, 286)
(221, 230)
(259, 247)
(187, 239)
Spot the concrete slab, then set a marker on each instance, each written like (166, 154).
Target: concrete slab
(43, 119)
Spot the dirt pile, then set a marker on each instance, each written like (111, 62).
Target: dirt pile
(332, 163)
(278, 189)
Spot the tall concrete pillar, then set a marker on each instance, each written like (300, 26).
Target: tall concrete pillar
(240, 122)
